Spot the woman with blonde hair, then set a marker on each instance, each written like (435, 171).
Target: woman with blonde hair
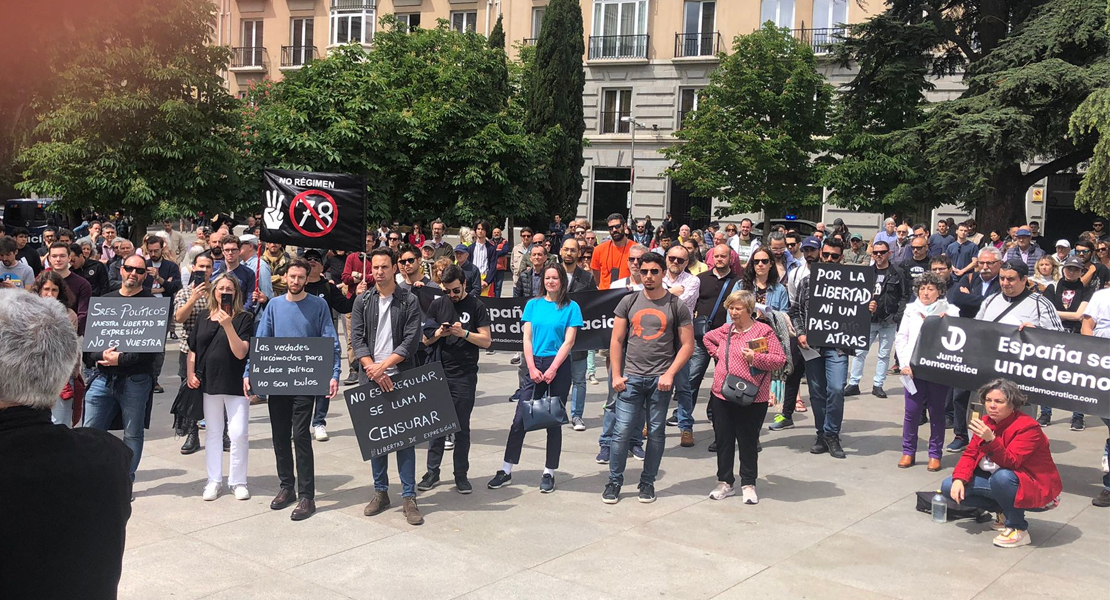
(1045, 273)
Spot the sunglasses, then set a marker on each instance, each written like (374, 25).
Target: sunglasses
(1077, 252)
(526, 236)
(1104, 250)
(644, 272)
(633, 259)
(761, 261)
(454, 291)
(794, 245)
(873, 252)
(832, 255)
(407, 261)
(130, 269)
(678, 260)
(615, 227)
(918, 247)
(393, 239)
(313, 260)
(582, 258)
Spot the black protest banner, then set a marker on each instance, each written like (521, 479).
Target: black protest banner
(418, 410)
(137, 325)
(314, 210)
(1061, 370)
(597, 319)
(292, 366)
(837, 312)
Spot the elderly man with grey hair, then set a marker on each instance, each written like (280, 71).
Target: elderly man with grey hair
(69, 488)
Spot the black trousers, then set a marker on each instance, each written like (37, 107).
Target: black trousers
(560, 386)
(793, 380)
(737, 427)
(291, 416)
(463, 390)
(960, 401)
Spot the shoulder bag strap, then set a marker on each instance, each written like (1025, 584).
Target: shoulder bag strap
(717, 305)
(1007, 310)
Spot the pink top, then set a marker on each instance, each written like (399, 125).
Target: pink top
(766, 361)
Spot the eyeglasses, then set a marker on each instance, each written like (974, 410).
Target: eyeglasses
(1082, 251)
(988, 263)
(873, 252)
(794, 245)
(525, 236)
(831, 255)
(634, 259)
(919, 247)
(130, 269)
(616, 227)
(407, 261)
(678, 260)
(394, 239)
(1104, 249)
(650, 271)
(454, 291)
(761, 261)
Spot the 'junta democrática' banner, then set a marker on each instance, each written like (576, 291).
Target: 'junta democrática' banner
(1061, 370)
(597, 319)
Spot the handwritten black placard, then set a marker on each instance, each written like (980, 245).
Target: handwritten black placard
(837, 314)
(137, 325)
(292, 366)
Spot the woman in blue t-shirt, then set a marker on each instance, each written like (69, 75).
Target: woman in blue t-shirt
(551, 323)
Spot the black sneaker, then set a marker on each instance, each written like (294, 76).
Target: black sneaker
(1044, 419)
(820, 446)
(781, 423)
(957, 445)
(637, 452)
(462, 485)
(603, 456)
(500, 479)
(835, 450)
(673, 421)
(851, 390)
(712, 447)
(647, 493)
(876, 391)
(612, 493)
(352, 378)
(430, 480)
(159, 389)
(1077, 423)
(547, 484)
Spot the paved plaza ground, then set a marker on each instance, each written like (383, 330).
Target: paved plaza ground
(824, 528)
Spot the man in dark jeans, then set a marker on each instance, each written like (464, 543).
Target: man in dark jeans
(457, 325)
(716, 284)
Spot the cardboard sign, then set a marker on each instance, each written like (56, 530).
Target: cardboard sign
(1053, 368)
(418, 410)
(597, 319)
(837, 312)
(138, 325)
(292, 366)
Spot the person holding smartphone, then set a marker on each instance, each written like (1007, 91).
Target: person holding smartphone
(188, 304)
(218, 347)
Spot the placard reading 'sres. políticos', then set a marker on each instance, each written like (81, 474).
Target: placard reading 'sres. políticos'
(837, 312)
(292, 366)
(418, 410)
(137, 325)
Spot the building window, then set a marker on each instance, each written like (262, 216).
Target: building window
(615, 104)
(687, 103)
(779, 12)
(829, 14)
(301, 45)
(409, 20)
(464, 21)
(253, 48)
(699, 36)
(352, 21)
(688, 208)
(537, 20)
(620, 29)
(610, 193)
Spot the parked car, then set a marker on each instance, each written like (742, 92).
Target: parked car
(806, 228)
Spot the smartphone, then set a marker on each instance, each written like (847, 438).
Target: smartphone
(445, 325)
(225, 303)
(196, 278)
(974, 410)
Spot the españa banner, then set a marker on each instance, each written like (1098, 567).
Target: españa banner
(597, 315)
(1061, 370)
(314, 210)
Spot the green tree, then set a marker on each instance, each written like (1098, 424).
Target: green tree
(555, 105)
(139, 117)
(415, 116)
(1093, 118)
(496, 41)
(752, 141)
(1027, 65)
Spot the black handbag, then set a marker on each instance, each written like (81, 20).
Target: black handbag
(544, 412)
(736, 389)
(703, 323)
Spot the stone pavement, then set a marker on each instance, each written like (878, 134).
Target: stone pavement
(824, 528)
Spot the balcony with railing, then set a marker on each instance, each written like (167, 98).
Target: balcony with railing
(352, 5)
(249, 58)
(822, 39)
(697, 45)
(530, 41)
(611, 122)
(294, 57)
(618, 47)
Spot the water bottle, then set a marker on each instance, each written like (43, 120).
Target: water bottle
(940, 509)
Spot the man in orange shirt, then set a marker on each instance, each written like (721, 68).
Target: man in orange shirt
(610, 261)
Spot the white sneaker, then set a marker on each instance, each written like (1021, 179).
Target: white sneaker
(241, 492)
(593, 380)
(320, 433)
(722, 491)
(579, 424)
(211, 491)
(748, 492)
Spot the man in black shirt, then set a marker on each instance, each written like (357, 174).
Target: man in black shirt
(93, 271)
(456, 326)
(918, 262)
(26, 253)
(339, 303)
(716, 284)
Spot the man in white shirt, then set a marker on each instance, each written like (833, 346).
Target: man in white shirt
(1016, 304)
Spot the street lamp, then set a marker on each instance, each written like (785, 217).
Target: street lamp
(632, 180)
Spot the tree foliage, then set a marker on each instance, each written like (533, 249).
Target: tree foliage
(138, 116)
(1027, 65)
(1092, 118)
(554, 102)
(416, 116)
(751, 142)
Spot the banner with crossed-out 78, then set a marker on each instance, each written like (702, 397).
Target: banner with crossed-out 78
(314, 210)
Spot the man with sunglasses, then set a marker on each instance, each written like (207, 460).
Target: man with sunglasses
(827, 370)
(886, 306)
(687, 288)
(1098, 226)
(918, 261)
(609, 417)
(1095, 273)
(610, 261)
(856, 253)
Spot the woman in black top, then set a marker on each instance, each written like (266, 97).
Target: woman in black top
(218, 348)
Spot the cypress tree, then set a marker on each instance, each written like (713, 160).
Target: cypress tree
(497, 36)
(555, 103)
(500, 84)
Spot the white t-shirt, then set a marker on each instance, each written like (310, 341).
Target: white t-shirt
(383, 341)
(1099, 309)
(624, 283)
(480, 259)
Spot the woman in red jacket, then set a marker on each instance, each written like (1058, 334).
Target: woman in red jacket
(1008, 467)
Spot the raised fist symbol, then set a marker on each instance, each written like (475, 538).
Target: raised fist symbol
(272, 216)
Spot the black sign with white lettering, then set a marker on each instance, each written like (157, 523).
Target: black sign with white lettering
(597, 319)
(837, 313)
(284, 366)
(418, 410)
(315, 210)
(137, 325)
(1061, 370)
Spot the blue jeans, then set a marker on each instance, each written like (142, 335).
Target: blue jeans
(699, 364)
(826, 375)
(684, 398)
(641, 395)
(609, 422)
(320, 413)
(885, 334)
(406, 469)
(110, 394)
(577, 387)
(994, 492)
(591, 367)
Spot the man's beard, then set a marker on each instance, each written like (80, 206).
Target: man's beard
(617, 236)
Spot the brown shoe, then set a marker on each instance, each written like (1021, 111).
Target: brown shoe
(305, 508)
(934, 464)
(645, 432)
(411, 512)
(687, 439)
(906, 462)
(378, 503)
(283, 499)
(256, 400)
